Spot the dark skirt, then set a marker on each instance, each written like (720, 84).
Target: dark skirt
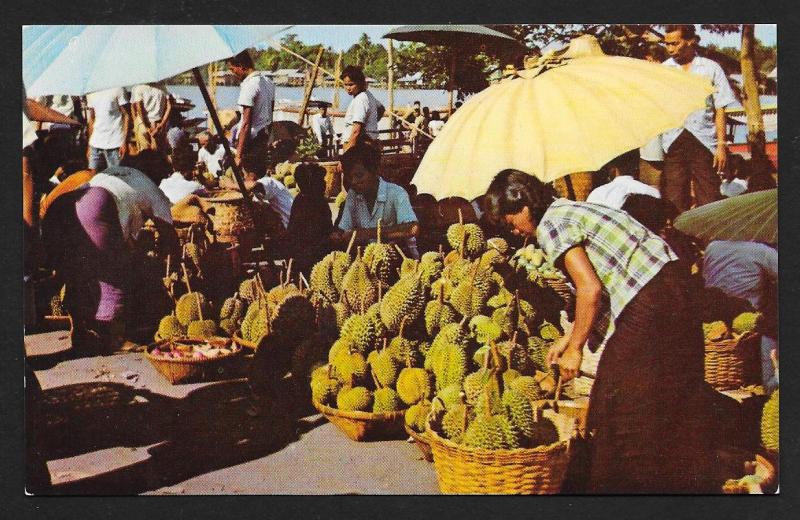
(648, 408)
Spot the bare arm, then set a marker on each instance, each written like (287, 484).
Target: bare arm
(89, 127)
(568, 352)
(354, 135)
(165, 118)
(126, 129)
(244, 132)
(721, 155)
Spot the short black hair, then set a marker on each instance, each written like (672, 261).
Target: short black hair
(356, 75)
(513, 190)
(362, 153)
(242, 59)
(687, 30)
(152, 163)
(627, 163)
(310, 178)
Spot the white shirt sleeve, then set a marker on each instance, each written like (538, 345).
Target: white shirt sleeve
(247, 91)
(360, 108)
(724, 95)
(121, 98)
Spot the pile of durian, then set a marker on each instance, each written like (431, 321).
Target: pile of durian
(284, 172)
(533, 261)
(57, 303)
(742, 324)
(413, 330)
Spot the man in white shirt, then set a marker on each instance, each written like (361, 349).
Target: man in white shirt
(109, 127)
(271, 190)
(257, 102)
(363, 112)
(177, 186)
(436, 124)
(151, 108)
(210, 153)
(322, 127)
(622, 170)
(697, 151)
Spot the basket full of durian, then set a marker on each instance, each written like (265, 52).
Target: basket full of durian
(542, 271)
(501, 444)
(731, 353)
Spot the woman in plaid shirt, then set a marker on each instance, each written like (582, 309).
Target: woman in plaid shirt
(632, 301)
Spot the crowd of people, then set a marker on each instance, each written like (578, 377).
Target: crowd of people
(635, 296)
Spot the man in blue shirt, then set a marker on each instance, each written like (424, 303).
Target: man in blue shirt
(697, 151)
(370, 199)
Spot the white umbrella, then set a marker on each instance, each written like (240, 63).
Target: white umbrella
(77, 59)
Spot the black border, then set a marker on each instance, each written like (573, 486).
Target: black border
(407, 11)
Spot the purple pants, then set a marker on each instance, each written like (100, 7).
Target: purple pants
(84, 242)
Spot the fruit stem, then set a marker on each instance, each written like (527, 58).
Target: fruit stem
(352, 241)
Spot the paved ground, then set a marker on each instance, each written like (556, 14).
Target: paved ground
(114, 425)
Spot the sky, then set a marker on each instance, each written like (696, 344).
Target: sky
(341, 37)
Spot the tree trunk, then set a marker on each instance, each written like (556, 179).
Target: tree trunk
(752, 105)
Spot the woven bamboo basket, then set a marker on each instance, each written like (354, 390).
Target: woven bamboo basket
(422, 443)
(228, 215)
(364, 426)
(581, 184)
(524, 471)
(765, 474)
(333, 178)
(727, 362)
(563, 290)
(184, 370)
(59, 323)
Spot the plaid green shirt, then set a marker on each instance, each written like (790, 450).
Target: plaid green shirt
(624, 253)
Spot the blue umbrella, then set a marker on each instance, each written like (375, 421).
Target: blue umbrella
(77, 59)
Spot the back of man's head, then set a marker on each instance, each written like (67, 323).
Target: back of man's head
(625, 164)
(150, 162)
(362, 153)
(242, 59)
(687, 30)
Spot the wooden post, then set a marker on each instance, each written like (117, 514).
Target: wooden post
(310, 86)
(451, 83)
(212, 88)
(390, 86)
(337, 72)
(752, 104)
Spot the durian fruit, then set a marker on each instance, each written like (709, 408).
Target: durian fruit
(715, 331)
(359, 329)
(386, 400)
(249, 290)
(443, 285)
(516, 356)
(293, 317)
(385, 367)
(455, 420)
(497, 243)
(471, 294)
(202, 329)
(491, 433)
(406, 351)
(232, 308)
(514, 317)
(745, 322)
(491, 257)
(192, 252)
(374, 315)
(280, 292)
(475, 382)
(228, 326)
(340, 345)
(359, 288)
(438, 313)
(186, 310)
(769, 423)
(480, 355)
(509, 376)
(340, 199)
(355, 399)
(544, 433)
(289, 181)
(484, 329)
(490, 399)
(450, 395)
(466, 238)
(527, 386)
(451, 333)
(458, 270)
(324, 387)
(57, 303)
(503, 298)
(416, 416)
(520, 412)
(169, 327)
(256, 322)
(414, 385)
(537, 352)
(383, 260)
(548, 331)
(451, 368)
(351, 368)
(431, 265)
(406, 299)
(409, 266)
(323, 275)
(342, 312)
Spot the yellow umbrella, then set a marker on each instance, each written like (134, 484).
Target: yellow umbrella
(572, 114)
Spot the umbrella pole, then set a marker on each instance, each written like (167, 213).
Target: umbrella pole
(452, 84)
(570, 188)
(390, 80)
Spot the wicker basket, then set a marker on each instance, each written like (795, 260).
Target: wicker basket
(365, 426)
(563, 290)
(333, 178)
(184, 370)
(422, 443)
(582, 183)
(228, 215)
(727, 364)
(524, 471)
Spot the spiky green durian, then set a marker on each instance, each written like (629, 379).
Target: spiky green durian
(457, 333)
(548, 331)
(406, 351)
(386, 400)
(321, 279)
(484, 329)
(361, 331)
(201, 329)
(769, 423)
(431, 265)
(519, 411)
(491, 433)
(324, 387)
(509, 376)
(385, 367)
(503, 298)
(233, 308)
(355, 399)
(715, 331)
(280, 292)
(256, 323)
(451, 367)
(342, 312)
(248, 289)
(537, 351)
(228, 326)
(416, 416)
(497, 243)
(405, 300)
(374, 315)
(409, 266)
(516, 356)
(169, 327)
(359, 287)
(472, 237)
(457, 271)
(350, 368)
(438, 313)
(527, 386)
(471, 294)
(455, 420)
(443, 285)
(450, 395)
(745, 322)
(186, 310)
(341, 345)
(414, 385)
